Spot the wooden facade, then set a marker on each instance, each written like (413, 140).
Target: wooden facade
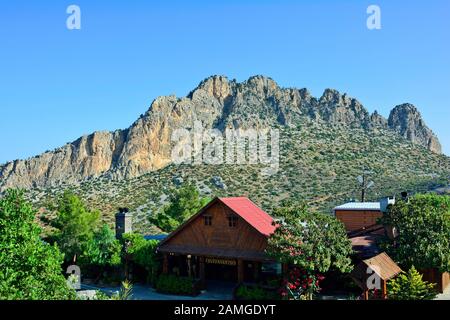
(354, 220)
(218, 242)
(441, 279)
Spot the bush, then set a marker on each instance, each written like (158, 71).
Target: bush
(30, 269)
(143, 253)
(125, 292)
(410, 286)
(254, 293)
(175, 285)
(423, 225)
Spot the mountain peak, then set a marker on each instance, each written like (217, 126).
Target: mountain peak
(217, 86)
(330, 94)
(408, 122)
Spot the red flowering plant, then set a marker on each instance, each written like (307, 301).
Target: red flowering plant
(310, 244)
(375, 294)
(300, 284)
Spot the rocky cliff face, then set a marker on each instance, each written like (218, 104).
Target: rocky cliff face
(216, 102)
(407, 121)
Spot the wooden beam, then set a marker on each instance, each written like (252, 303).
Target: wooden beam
(240, 265)
(165, 264)
(202, 272)
(366, 294)
(383, 289)
(189, 263)
(256, 268)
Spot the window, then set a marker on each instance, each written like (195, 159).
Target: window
(208, 220)
(232, 221)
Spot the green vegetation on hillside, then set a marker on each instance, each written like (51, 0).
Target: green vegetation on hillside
(318, 164)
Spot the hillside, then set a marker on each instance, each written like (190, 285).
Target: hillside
(318, 164)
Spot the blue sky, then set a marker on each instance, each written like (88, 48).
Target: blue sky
(57, 84)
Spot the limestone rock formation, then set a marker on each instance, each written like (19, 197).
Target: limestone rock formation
(218, 103)
(407, 121)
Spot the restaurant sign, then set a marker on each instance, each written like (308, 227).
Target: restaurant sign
(226, 262)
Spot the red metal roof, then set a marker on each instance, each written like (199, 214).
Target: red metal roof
(251, 213)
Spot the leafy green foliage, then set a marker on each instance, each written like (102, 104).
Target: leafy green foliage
(102, 249)
(308, 242)
(410, 286)
(311, 241)
(245, 292)
(125, 292)
(318, 163)
(30, 269)
(75, 225)
(184, 203)
(79, 234)
(423, 225)
(175, 285)
(142, 252)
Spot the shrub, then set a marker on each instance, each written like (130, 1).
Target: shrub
(310, 243)
(410, 286)
(423, 224)
(30, 269)
(142, 252)
(175, 285)
(244, 292)
(125, 292)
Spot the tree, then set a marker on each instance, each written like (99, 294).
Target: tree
(410, 286)
(184, 203)
(103, 249)
(30, 269)
(311, 243)
(142, 252)
(75, 225)
(423, 227)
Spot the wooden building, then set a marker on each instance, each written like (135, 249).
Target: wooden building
(360, 216)
(226, 240)
(441, 279)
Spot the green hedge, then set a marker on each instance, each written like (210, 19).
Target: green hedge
(244, 292)
(175, 285)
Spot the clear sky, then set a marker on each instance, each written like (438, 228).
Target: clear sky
(58, 84)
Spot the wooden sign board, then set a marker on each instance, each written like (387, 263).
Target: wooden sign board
(226, 262)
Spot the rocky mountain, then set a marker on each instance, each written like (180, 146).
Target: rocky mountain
(406, 120)
(218, 103)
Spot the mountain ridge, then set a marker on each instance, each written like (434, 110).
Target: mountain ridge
(218, 103)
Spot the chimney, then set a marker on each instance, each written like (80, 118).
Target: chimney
(385, 203)
(124, 222)
(404, 195)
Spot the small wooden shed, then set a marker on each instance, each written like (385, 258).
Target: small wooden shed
(381, 266)
(358, 216)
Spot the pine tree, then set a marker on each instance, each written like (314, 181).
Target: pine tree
(410, 286)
